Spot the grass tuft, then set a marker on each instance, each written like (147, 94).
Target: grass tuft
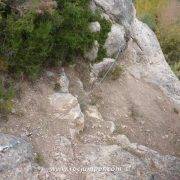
(39, 159)
(6, 96)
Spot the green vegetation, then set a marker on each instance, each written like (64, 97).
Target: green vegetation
(102, 36)
(39, 159)
(43, 36)
(176, 110)
(6, 95)
(119, 129)
(114, 74)
(117, 72)
(169, 38)
(152, 13)
(32, 41)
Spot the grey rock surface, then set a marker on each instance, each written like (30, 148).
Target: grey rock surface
(136, 162)
(91, 55)
(148, 61)
(97, 145)
(95, 27)
(14, 151)
(67, 109)
(63, 82)
(115, 42)
(16, 158)
(101, 67)
(122, 11)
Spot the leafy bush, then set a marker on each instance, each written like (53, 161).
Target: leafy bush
(3, 65)
(27, 43)
(170, 42)
(35, 40)
(102, 36)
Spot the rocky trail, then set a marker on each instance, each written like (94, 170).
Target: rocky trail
(63, 137)
(128, 128)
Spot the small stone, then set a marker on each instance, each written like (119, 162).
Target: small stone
(95, 27)
(64, 82)
(111, 126)
(50, 74)
(13, 111)
(63, 177)
(123, 141)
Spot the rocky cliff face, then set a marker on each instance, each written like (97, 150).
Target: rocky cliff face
(145, 55)
(77, 131)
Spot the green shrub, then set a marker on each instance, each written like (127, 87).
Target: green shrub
(169, 39)
(34, 40)
(39, 159)
(6, 95)
(27, 42)
(102, 36)
(117, 72)
(73, 37)
(176, 68)
(150, 20)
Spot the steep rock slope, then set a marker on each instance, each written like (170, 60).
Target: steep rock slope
(79, 134)
(99, 151)
(146, 57)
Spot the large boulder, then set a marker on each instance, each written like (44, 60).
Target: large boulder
(135, 162)
(116, 41)
(97, 130)
(67, 109)
(145, 54)
(148, 61)
(16, 158)
(14, 151)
